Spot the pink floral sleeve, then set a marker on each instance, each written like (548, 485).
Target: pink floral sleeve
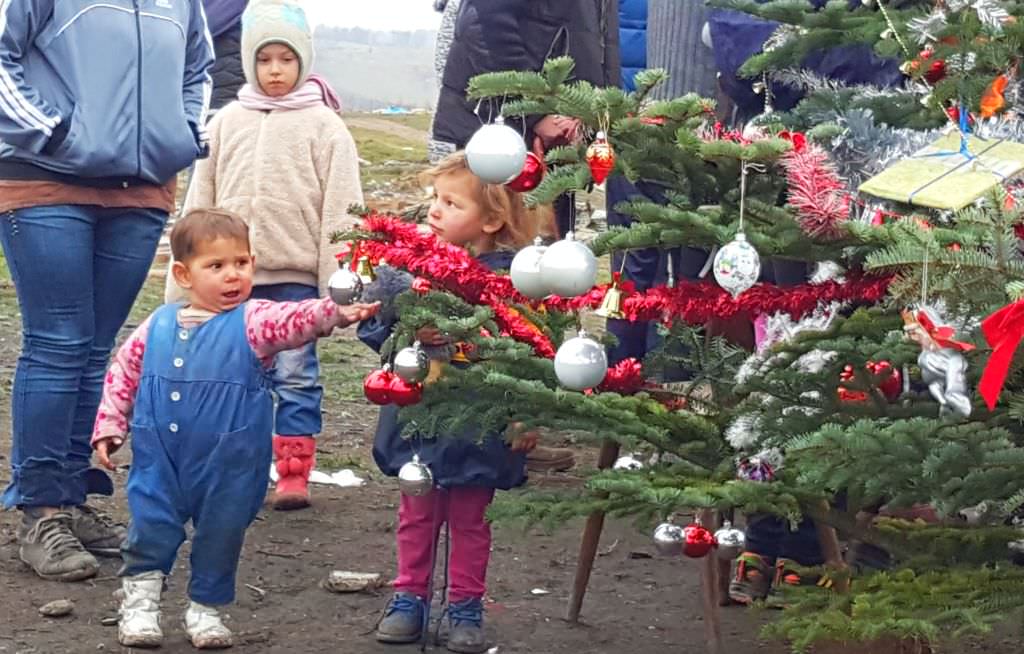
(120, 387)
(273, 327)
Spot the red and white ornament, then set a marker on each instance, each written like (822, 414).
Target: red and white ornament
(600, 158)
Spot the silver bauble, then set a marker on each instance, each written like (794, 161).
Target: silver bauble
(411, 364)
(496, 153)
(344, 286)
(731, 541)
(568, 267)
(525, 271)
(581, 363)
(668, 539)
(737, 265)
(415, 478)
(628, 462)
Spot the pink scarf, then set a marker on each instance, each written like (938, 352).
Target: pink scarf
(315, 91)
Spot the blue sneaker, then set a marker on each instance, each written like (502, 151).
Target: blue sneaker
(403, 619)
(466, 627)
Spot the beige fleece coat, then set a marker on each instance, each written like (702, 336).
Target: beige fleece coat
(292, 174)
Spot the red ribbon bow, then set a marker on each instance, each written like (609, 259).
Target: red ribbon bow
(941, 334)
(1003, 330)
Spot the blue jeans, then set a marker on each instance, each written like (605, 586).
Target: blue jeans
(77, 271)
(296, 373)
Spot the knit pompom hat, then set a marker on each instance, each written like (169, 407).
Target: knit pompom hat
(276, 21)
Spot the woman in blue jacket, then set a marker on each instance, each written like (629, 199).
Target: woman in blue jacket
(101, 104)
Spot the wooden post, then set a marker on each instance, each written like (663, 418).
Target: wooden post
(591, 538)
(709, 591)
(832, 552)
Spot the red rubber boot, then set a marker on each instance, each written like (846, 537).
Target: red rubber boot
(294, 457)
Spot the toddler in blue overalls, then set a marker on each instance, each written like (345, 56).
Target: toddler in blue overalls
(191, 386)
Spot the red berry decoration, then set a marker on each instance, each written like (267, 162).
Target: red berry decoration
(531, 175)
(403, 393)
(600, 158)
(698, 541)
(377, 386)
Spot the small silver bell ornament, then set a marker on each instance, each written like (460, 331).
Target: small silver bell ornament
(344, 286)
(496, 153)
(568, 267)
(525, 271)
(730, 540)
(411, 364)
(581, 363)
(415, 478)
(668, 539)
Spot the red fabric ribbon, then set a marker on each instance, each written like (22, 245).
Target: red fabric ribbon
(1003, 330)
(941, 334)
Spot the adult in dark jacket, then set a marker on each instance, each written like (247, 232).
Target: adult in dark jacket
(225, 20)
(498, 35)
(737, 36)
(88, 158)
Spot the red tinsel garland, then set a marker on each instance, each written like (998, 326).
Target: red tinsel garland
(452, 269)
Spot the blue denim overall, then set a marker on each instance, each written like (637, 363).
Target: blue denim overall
(201, 448)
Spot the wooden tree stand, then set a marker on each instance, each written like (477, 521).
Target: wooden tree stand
(715, 577)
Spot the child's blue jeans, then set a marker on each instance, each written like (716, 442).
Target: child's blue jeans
(296, 373)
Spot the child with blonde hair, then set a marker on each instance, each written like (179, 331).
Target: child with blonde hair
(282, 158)
(191, 386)
(490, 222)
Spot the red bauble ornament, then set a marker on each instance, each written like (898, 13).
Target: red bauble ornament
(698, 541)
(936, 71)
(377, 386)
(531, 175)
(600, 158)
(403, 393)
(891, 384)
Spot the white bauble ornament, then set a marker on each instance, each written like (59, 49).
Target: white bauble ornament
(730, 540)
(411, 364)
(568, 267)
(415, 478)
(496, 153)
(344, 286)
(705, 36)
(525, 271)
(581, 363)
(668, 539)
(628, 462)
(737, 265)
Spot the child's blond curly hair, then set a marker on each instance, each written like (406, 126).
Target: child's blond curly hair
(519, 224)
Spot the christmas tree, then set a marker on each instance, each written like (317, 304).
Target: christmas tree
(861, 401)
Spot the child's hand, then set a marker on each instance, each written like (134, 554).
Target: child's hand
(105, 448)
(431, 336)
(351, 313)
(526, 442)
(523, 441)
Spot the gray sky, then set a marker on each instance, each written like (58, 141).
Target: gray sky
(374, 14)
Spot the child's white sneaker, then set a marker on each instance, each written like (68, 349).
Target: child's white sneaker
(139, 625)
(205, 629)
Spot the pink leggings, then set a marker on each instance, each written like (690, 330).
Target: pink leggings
(419, 522)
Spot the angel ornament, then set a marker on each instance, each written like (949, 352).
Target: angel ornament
(942, 363)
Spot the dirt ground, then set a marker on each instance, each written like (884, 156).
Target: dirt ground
(636, 602)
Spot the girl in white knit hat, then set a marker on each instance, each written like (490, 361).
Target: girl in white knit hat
(282, 158)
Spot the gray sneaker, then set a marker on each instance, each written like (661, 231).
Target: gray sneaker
(50, 548)
(97, 532)
(403, 619)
